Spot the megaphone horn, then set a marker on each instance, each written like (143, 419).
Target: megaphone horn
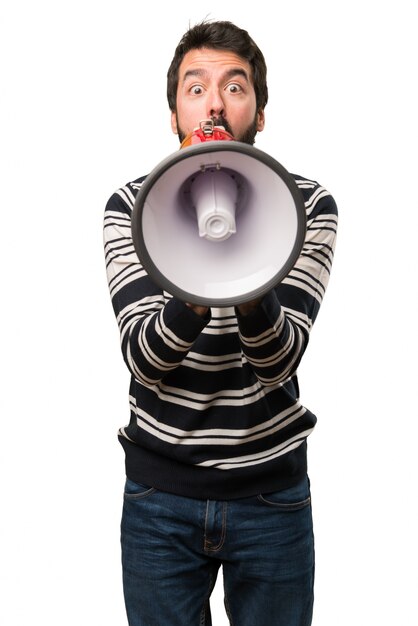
(218, 223)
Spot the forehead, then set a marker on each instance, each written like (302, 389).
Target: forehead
(214, 62)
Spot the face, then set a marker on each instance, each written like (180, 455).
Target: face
(216, 84)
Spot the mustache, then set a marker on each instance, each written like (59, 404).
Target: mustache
(219, 120)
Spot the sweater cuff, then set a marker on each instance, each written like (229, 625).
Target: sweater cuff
(183, 321)
(263, 317)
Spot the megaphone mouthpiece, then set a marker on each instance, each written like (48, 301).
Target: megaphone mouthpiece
(214, 196)
(206, 131)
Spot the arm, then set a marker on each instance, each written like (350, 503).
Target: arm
(274, 332)
(156, 332)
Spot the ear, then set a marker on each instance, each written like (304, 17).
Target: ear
(260, 120)
(174, 122)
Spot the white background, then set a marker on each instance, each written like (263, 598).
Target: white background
(84, 111)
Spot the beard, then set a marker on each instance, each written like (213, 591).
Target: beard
(248, 136)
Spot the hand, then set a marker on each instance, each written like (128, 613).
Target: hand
(198, 309)
(248, 307)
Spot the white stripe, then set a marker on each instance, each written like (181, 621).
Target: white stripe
(147, 382)
(305, 183)
(136, 275)
(114, 213)
(122, 431)
(266, 336)
(225, 314)
(246, 395)
(127, 196)
(141, 307)
(171, 339)
(315, 198)
(201, 364)
(276, 357)
(137, 185)
(286, 373)
(206, 358)
(210, 437)
(217, 399)
(149, 354)
(312, 291)
(256, 459)
(301, 319)
(324, 220)
(209, 330)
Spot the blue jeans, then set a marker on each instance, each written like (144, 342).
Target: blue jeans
(173, 547)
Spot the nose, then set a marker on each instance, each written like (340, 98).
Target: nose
(216, 105)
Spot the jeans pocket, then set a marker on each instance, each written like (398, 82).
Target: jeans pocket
(292, 499)
(136, 491)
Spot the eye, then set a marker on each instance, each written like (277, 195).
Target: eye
(234, 88)
(196, 90)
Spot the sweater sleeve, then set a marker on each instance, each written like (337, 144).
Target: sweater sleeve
(156, 331)
(274, 336)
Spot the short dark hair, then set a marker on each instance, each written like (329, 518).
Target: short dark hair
(220, 35)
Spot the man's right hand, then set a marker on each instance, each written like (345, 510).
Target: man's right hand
(198, 309)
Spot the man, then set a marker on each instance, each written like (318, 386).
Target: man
(216, 444)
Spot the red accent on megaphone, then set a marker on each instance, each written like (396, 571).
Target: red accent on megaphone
(206, 133)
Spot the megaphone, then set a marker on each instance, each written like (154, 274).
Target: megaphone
(218, 223)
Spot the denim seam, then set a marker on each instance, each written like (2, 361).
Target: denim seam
(207, 547)
(139, 496)
(290, 506)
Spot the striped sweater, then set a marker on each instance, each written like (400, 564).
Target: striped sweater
(214, 402)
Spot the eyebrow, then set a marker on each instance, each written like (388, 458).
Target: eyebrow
(238, 71)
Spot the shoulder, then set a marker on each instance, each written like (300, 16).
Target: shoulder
(123, 199)
(315, 196)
